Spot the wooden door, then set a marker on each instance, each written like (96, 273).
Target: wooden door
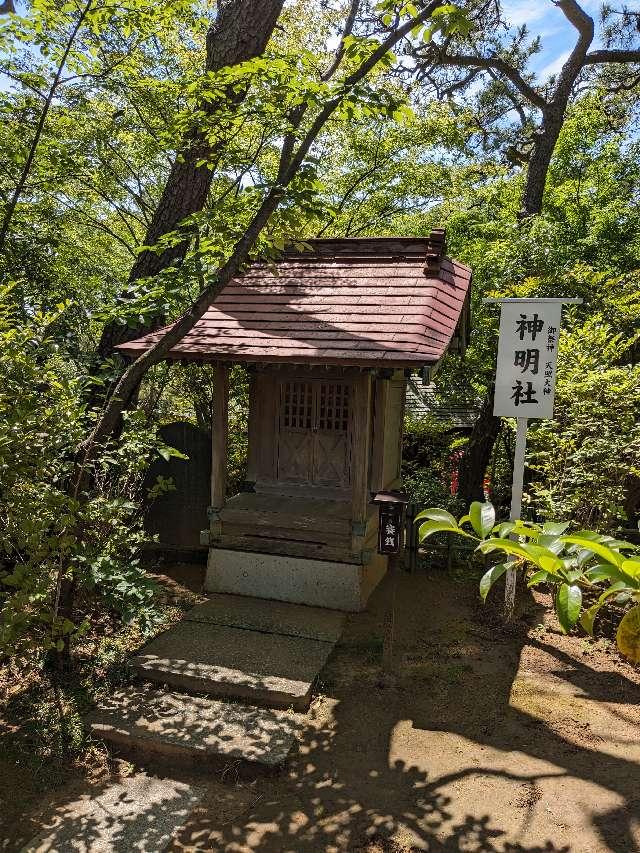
(314, 433)
(295, 436)
(331, 435)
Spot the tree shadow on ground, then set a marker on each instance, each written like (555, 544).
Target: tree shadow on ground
(136, 813)
(437, 758)
(451, 754)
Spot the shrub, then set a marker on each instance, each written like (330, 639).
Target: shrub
(427, 461)
(568, 562)
(49, 535)
(583, 458)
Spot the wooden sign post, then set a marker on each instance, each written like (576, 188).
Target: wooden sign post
(391, 508)
(525, 383)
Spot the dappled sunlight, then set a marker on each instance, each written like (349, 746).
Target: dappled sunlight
(475, 743)
(444, 759)
(180, 724)
(138, 813)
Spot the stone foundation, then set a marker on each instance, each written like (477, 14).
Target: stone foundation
(320, 583)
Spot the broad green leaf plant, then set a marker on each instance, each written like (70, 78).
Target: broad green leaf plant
(572, 563)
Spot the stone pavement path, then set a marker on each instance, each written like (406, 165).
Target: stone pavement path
(196, 728)
(265, 653)
(141, 814)
(261, 655)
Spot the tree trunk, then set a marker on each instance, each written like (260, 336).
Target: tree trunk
(60, 659)
(476, 458)
(241, 32)
(474, 463)
(543, 148)
(553, 113)
(486, 429)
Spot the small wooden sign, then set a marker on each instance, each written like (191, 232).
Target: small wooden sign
(390, 521)
(389, 531)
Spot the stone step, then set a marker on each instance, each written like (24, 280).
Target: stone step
(140, 813)
(275, 670)
(193, 728)
(272, 617)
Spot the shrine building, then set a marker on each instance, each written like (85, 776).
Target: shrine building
(330, 337)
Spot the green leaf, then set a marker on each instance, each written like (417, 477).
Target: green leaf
(614, 574)
(482, 517)
(621, 545)
(571, 575)
(551, 542)
(436, 514)
(591, 535)
(614, 589)
(588, 618)
(538, 577)
(171, 452)
(529, 531)
(430, 527)
(490, 577)
(598, 548)
(445, 9)
(504, 529)
(601, 572)
(631, 567)
(568, 604)
(515, 549)
(555, 528)
(550, 563)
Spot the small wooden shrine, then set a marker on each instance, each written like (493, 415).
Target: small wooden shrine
(330, 336)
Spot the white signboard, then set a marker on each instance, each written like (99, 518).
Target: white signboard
(527, 355)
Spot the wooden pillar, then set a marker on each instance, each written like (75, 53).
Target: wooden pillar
(219, 438)
(381, 404)
(361, 448)
(253, 430)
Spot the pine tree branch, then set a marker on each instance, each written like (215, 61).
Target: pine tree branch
(495, 63)
(575, 14)
(614, 55)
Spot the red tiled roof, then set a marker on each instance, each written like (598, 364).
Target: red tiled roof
(366, 302)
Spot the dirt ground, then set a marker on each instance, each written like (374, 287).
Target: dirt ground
(484, 738)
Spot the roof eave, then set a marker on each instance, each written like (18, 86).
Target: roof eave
(416, 362)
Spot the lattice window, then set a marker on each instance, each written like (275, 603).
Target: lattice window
(333, 406)
(297, 410)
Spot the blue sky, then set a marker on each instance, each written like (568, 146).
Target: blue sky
(544, 19)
